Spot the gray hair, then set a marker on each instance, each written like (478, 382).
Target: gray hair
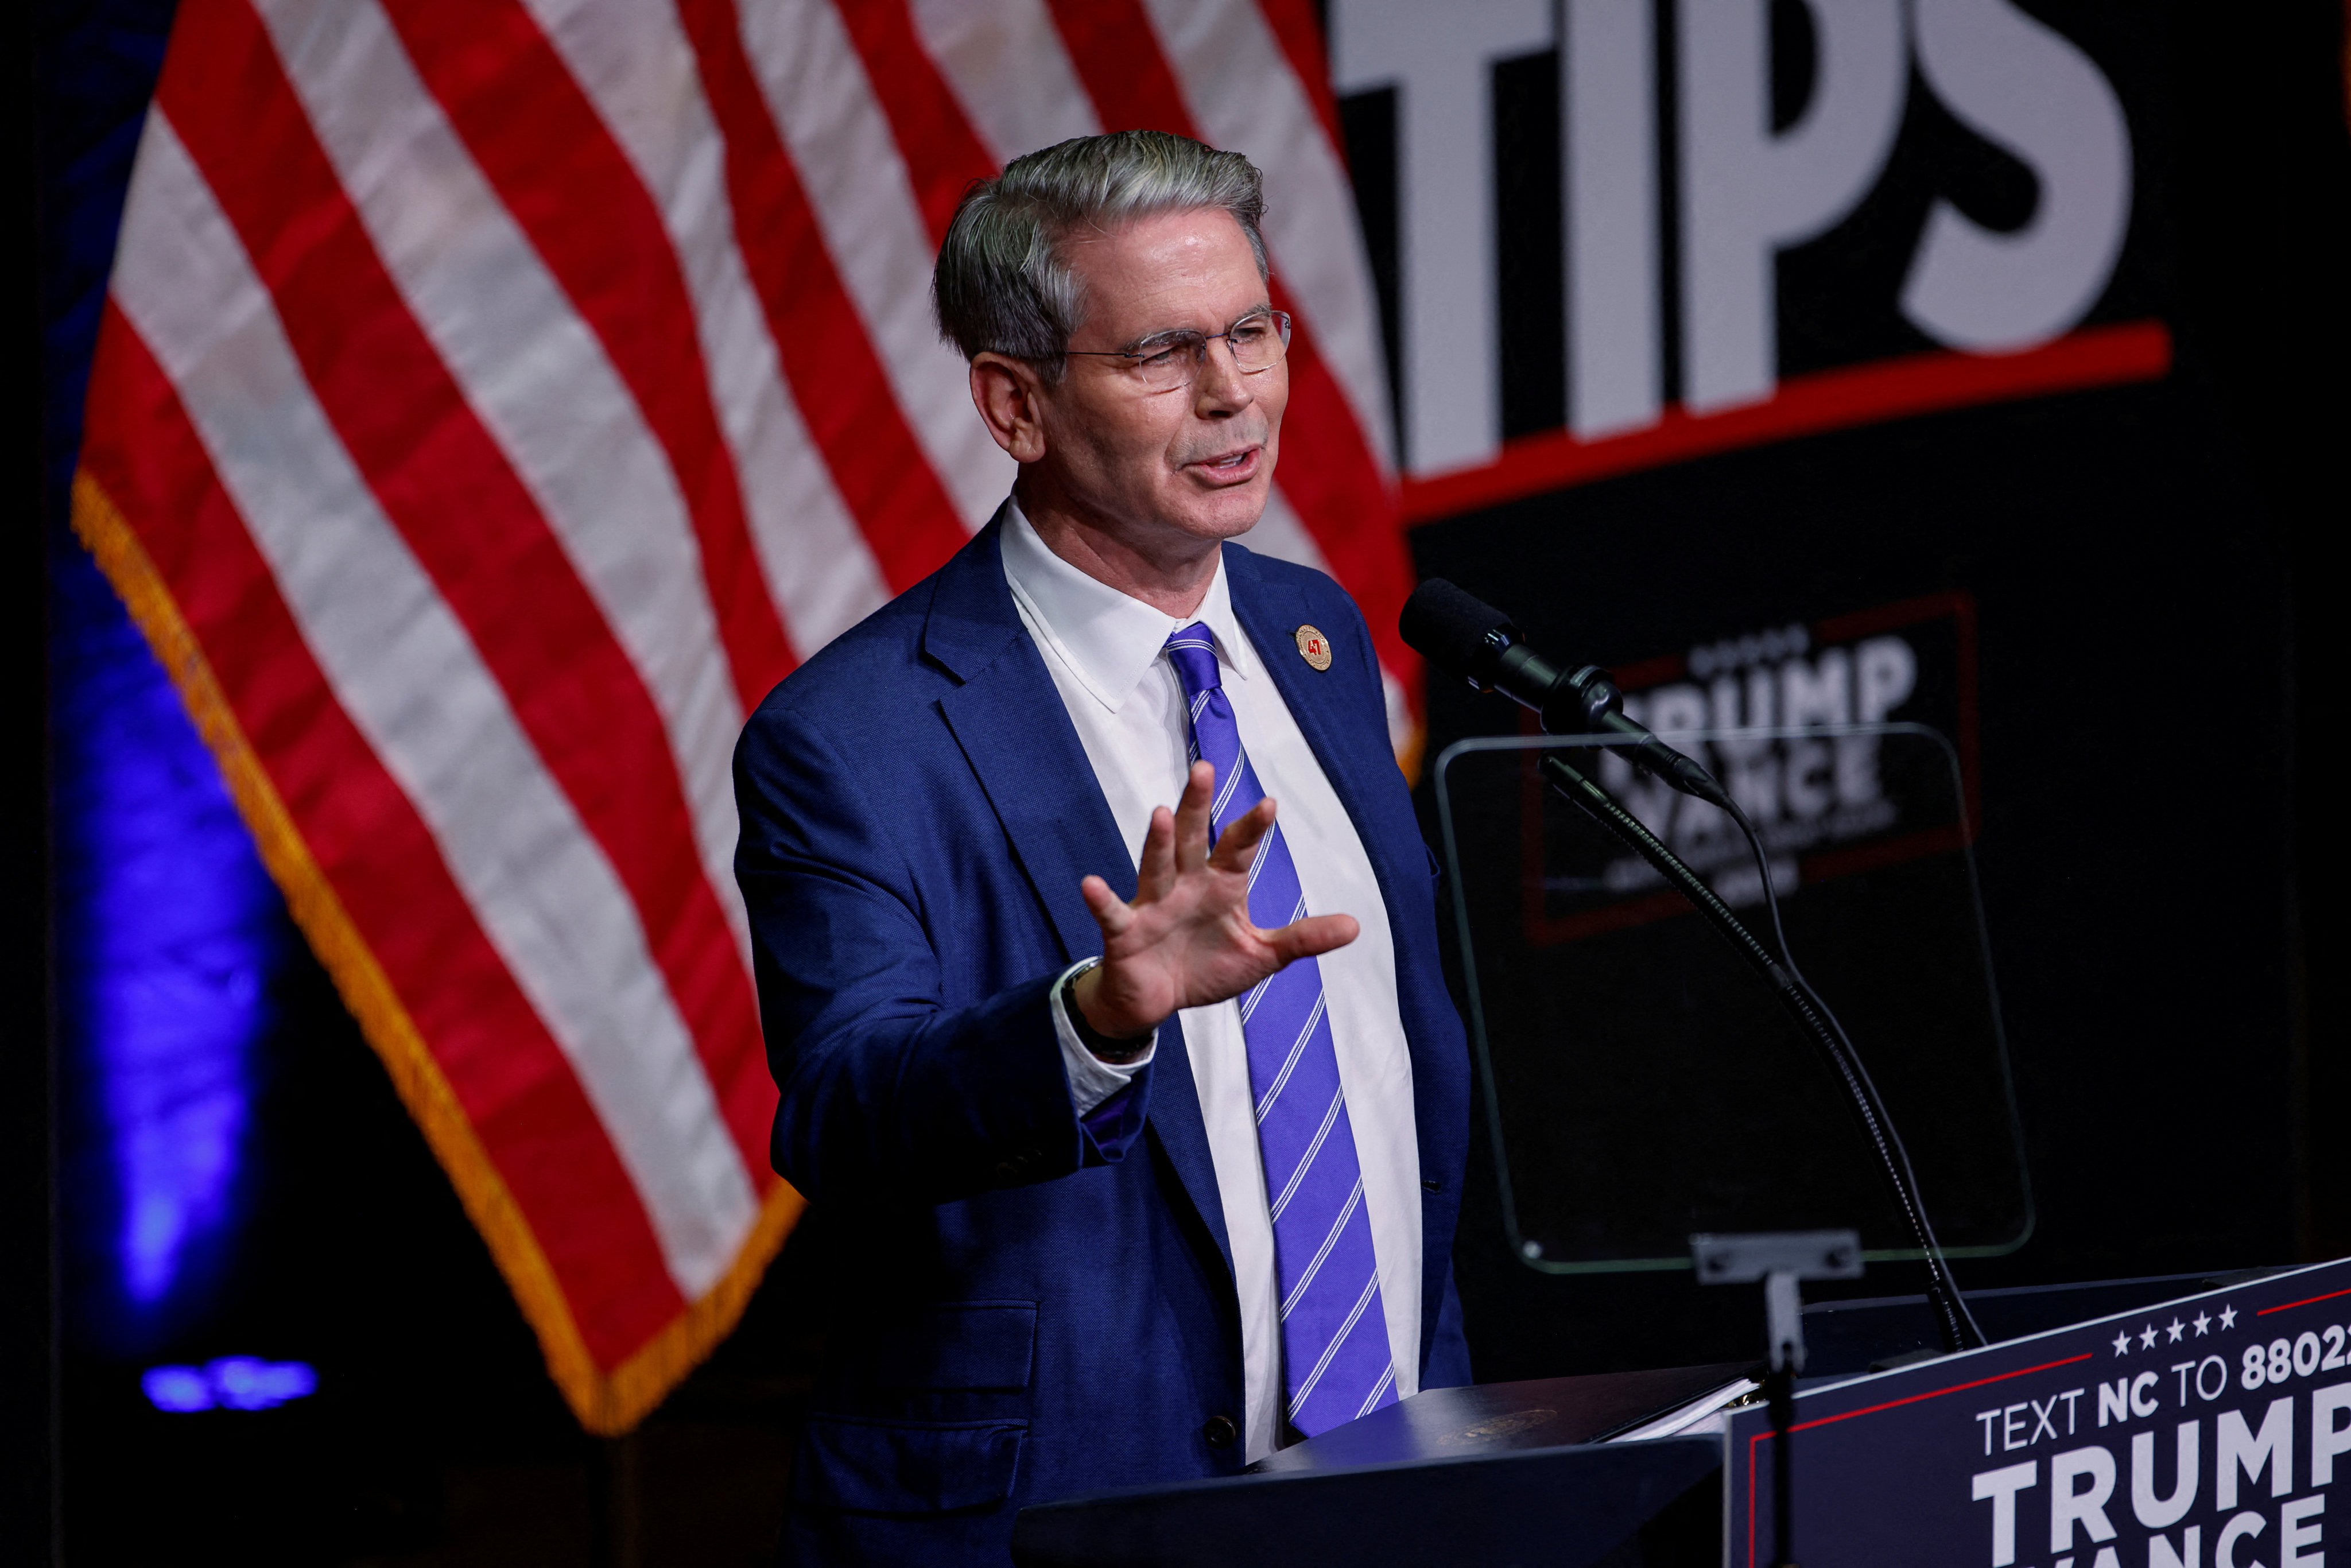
(1001, 283)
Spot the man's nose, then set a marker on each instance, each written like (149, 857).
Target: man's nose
(1219, 386)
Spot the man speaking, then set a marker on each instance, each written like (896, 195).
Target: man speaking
(1137, 1104)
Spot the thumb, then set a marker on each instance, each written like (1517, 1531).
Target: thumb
(1315, 935)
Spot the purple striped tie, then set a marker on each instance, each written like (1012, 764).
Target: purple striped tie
(1334, 1336)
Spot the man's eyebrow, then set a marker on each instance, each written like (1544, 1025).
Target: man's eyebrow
(1161, 339)
(1177, 334)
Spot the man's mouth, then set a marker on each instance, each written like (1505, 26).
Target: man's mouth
(1234, 465)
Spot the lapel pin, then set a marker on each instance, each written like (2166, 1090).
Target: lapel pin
(1313, 647)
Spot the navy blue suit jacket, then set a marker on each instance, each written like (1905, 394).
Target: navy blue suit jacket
(1024, 1307)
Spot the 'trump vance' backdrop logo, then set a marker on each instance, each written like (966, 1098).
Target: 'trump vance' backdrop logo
(1826, 804)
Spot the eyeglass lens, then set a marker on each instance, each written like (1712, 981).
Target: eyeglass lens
(1256, 343)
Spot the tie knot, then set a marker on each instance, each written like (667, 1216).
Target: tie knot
(1193, 651)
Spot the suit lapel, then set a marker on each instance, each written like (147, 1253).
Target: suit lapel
(1353, 755)
(1018, 737)
(1009, 718)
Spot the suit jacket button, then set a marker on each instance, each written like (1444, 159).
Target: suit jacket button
(1220, 1432)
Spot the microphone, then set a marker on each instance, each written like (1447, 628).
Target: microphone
(1463, 636)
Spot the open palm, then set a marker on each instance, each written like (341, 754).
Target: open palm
(1187, 940)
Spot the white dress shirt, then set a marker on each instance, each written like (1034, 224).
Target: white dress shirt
(1104, 652)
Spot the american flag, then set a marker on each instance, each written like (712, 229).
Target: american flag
(495, 398)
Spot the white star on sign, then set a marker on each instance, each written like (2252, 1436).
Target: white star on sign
(2227, 1317)
(2122, 1344)
(2176, 1329)
(2203, 1322)
(2146, 1340)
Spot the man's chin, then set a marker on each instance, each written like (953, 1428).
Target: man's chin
(1222, 514)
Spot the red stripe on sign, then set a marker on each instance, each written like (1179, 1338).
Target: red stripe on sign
(852, 415)
(2306, 1301)
(1327, 470)
(489, 1045)
(1756, 1439)
(944, 155)
(1804, 405)
(442, 480)
(542, 146)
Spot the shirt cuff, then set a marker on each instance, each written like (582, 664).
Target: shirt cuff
(1092, 1080)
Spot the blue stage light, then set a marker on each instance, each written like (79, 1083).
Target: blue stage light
(177, 1388)
(169, 930)
(242, 1383)
(231, 1383)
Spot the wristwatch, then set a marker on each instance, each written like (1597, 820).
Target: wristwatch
(1117, 1052)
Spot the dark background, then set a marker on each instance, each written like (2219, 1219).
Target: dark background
(2160, 842)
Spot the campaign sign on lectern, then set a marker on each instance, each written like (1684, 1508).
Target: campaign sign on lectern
(2206, 1432)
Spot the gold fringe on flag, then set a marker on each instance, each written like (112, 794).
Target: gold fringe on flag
(607, 1403)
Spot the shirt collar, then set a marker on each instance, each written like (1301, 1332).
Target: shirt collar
(1109, 640)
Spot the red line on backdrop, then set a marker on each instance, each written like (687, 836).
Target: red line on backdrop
(836, 377)
(1327, 468)
(1755, 1439)
(365, 836)
(1804, 405)
(943, 154)
(446, 487)
(1637, 678)
(540, 143)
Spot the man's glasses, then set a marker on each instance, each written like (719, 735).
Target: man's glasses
(1168, 361)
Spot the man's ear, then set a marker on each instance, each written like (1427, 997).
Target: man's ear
(1009, 394)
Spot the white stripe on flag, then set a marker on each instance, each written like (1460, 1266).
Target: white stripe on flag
(816, 92)
(1280, 534)
(1243, 95)
(633, 60)
(540, 381)
(1005, 63)
(404, 669)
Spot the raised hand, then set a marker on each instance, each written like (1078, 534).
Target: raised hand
(1186, 939)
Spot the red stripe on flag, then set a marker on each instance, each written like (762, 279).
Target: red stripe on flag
(943, 154)
(1328, 472)
(543, 147)
(490, 1046)
(1327, 468)
(442, 480)
(1296, 28)
(852, 415)
(1118, 61)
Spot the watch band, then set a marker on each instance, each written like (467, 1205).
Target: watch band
(1117, 1052)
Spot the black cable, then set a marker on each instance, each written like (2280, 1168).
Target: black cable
(1933, 1247)
(1956, 1326)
